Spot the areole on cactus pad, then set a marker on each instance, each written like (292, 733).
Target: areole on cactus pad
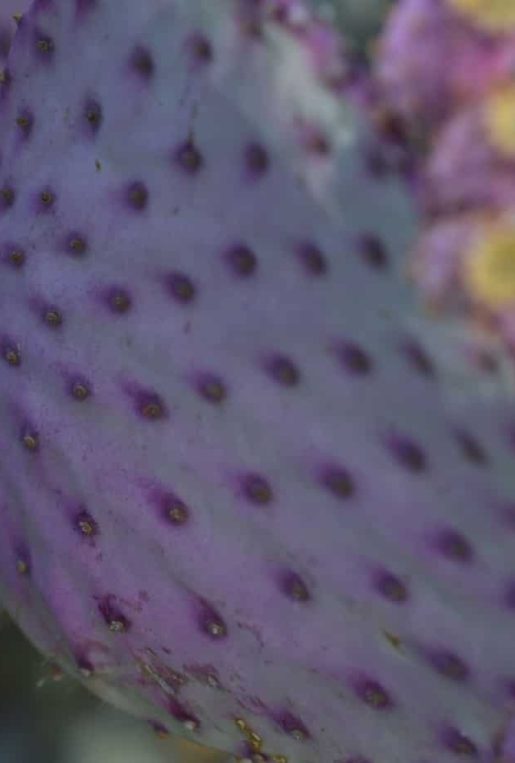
(249, 490)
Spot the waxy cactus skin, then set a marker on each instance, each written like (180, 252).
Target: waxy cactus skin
(249, 490)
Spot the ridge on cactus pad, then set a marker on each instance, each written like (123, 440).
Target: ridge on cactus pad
(250, 491)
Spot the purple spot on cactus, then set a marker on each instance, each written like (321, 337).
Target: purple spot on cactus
(46, 200)
(509, 595)
(507, 516)
(174, 510)
(137, 196)
(79, 388)
(189, 158)
(282, 370)
(458, 743)
(354, 358)
(76, 244)
(211, 388)
(118, 300)
(293, 586)
(25, 122)
(373, 694)
(200, 48)
(257, 489)
(241, 260)
(180, 287)
(452, 544)
(509, 687)
(205, 674)
(187, 718)
(471, 448)
(418, 359)
(85, 524)
(448, 664)
(142, 63)
(317, 142)
(390, 587)
(93, 115)
(7, 197)
(293, 726)
(312, 259)
(154, 670)
(338, 481)
(407, 453)
(256, 159)
(212, 623)
(356, 759)
(150, 405)
(116, 621)
(250, 20)
(11, 353)
(376, 160)
(84, 666)
(15, 256)
(30, 438)
(373, 251)
(45, 46)
(52, 317)
(394, 128)
(23, 561)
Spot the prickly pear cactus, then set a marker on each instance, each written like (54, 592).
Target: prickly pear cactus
(249, 490)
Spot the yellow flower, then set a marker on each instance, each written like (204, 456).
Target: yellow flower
(499, 118)
(494, 15)
(489, 266)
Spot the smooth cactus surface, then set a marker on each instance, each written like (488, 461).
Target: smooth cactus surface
(249, 490)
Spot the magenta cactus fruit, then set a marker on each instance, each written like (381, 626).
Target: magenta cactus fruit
(250, 491)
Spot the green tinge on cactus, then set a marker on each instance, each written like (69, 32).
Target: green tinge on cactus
(249, 490)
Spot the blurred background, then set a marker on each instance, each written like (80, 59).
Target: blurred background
(47, 718)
